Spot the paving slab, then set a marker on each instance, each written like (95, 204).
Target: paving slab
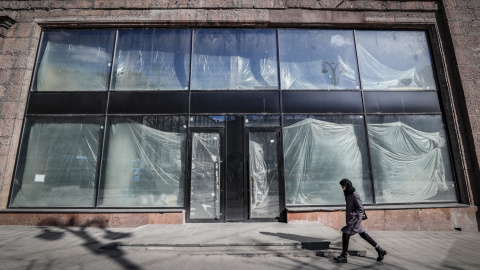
(24, 247)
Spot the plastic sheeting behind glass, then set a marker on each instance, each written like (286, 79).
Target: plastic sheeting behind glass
(264, 197)
(318, 153)
(57, 164)
(152, 60)
(145, 162)
(318, 59)
(74, 61)
(394, 60)
(234, 59)
(410, 159)
(205, 178)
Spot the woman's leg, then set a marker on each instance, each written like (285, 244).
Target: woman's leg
(381, 252)
(345, 241)
(343, 257)
(369, 239)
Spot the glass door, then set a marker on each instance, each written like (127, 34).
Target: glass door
(205, 176)
(264, 174)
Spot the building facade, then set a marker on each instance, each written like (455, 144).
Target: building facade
(124, 113)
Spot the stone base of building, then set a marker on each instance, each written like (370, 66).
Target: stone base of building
(426, 219)
(104, 220)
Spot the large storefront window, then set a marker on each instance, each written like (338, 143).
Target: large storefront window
(397, 60)
(234, 59)
(152, 60)
(333, 104)
(319, 151)
(144, 162)
(410, 159)
(318, 59)
(57, 165)
(74, 61)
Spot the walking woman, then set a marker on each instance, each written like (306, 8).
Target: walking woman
(353, 215)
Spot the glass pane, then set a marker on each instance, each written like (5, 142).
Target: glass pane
(234, 59)
(394, 60)
(144, 162)
(207, 121)
(205, 178)
(319, 151)
(57, 165)
(264, 197)
(262, 120)
(74, 61)
(317, 59)
(410, 159)
(152, 60)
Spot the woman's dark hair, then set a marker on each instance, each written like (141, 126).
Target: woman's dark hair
(349, 189)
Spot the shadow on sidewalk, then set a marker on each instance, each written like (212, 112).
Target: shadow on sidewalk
(463, 254)
(89, 242)
(309, 243)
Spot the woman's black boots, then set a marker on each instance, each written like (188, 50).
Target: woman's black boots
(381, 253)
(342, 258)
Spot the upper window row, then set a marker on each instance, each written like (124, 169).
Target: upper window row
(224, 59)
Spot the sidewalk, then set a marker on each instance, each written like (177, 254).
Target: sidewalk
(229, 246)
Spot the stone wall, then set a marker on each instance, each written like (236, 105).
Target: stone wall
(453, 25)
(462, 43)
(103, 220)
(429, 219)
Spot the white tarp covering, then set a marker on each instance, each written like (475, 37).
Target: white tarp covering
(376, 75)
(234, 72)
(408, 164)
(66, 67)
(205, 179)
(264, 181)
(144, 166)
(318, 155)
(308, 75)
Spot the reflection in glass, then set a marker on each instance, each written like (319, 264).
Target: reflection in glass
(317, 59)
(410, 159)
(207, 121)
(234, 59)
(319, 152)
(262, 120)
(74, 61)
(205, 179)
(152, 60)
(264, 196)
(57, 163)
(394, 60)
(145, 162)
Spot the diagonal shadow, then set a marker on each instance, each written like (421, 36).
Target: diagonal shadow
(89, 242)
(309, 243)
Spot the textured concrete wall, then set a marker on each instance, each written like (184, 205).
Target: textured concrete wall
(454, 25)
(462, 31)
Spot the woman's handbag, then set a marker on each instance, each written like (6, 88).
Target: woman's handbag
(364, 215)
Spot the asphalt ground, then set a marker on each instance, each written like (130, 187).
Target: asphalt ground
(229, 246)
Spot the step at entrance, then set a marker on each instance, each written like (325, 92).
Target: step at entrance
(322, 249)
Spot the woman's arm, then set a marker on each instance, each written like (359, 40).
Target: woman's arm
(358, 202)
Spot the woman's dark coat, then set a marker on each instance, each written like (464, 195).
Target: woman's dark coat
(353, 214)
